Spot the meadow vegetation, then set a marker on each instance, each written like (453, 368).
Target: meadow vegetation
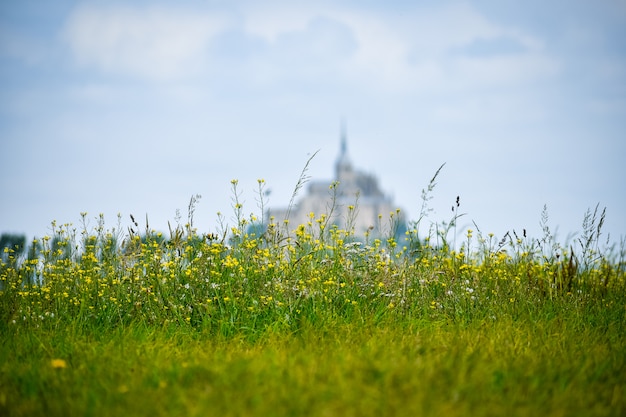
(312, 320)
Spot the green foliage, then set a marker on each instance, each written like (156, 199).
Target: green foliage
(263, 321)
(11, 245)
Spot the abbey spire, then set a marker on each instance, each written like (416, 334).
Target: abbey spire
(343, 165)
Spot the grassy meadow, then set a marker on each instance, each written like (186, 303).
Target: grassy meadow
(98, 321)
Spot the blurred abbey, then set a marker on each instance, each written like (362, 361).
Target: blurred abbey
(353, 200)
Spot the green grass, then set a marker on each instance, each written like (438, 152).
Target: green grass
(315, 322)
(548, 367)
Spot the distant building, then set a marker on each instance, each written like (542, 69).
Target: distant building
(359, 201)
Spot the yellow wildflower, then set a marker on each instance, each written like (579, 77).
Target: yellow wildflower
(58, 363)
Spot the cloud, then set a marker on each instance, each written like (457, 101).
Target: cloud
(427, 49)
(154, 42)
(464, 51)
(323, 40)
(508, 70)
(502, 45)
(436, 49)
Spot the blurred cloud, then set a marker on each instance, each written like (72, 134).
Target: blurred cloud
(502, 45)
(396, 53)
(160, 43)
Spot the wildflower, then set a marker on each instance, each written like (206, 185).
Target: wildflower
(58, 363)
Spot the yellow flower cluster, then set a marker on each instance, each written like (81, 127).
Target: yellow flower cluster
(257, 277)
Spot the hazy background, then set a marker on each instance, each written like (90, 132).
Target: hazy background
(134, 106)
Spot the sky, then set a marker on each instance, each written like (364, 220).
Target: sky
(133, 107)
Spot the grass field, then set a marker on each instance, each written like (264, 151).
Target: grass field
(244, 321)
